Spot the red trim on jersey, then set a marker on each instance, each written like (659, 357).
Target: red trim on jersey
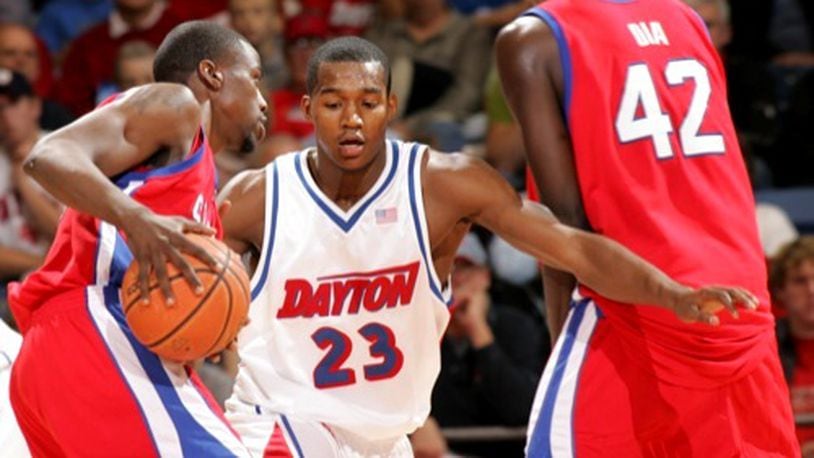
(277, 447)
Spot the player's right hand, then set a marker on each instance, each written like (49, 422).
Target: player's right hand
(702, 305)
(155, 240)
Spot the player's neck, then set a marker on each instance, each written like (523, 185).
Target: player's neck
(344, 187)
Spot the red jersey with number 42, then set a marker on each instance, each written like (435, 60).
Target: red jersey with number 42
(660, 171)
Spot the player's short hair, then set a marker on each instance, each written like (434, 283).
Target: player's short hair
(790, 257)
(345, 49)
(187, 45)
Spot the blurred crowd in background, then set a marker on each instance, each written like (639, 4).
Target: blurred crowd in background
(60, 58)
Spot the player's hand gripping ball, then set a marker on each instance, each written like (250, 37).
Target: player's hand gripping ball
(196, 325)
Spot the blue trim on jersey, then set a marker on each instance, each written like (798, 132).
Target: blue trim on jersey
(272, 231)
(565, 53)
(122, 257)
(177, 167)
(416, 221)
(287, 427)
(195, 439)
(121, 373)
(347, 225)
(540, 442)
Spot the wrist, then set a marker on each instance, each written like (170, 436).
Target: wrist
(125, 212)
(672, 295)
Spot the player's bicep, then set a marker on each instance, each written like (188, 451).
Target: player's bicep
(130, 130)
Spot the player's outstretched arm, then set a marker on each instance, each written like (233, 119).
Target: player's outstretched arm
(480, 195)
(74, 163)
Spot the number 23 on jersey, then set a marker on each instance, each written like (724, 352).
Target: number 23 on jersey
(386, 358)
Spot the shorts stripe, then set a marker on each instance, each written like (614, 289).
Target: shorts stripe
(289, 433)
(552, 431)
(157, 420)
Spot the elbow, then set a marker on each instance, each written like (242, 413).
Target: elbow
(30, 165)
(36, 161)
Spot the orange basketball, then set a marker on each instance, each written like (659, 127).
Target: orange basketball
(195, 326)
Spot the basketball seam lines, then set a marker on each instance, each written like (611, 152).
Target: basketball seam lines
(197, 307)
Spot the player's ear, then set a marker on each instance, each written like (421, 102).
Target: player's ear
(305, 106)
(392, 106)
(210, 75)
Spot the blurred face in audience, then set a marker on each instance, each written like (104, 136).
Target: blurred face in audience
(18, 120)
(254, 19)
(715, 18)
(797, 294)
(18, 51)
(135, 71)
(297, 53)
(134, 6)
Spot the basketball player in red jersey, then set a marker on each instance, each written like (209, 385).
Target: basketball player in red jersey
(334, 228)
(626, 126)
(137, 173)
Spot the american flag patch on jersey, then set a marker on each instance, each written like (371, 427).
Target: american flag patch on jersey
(386, 215)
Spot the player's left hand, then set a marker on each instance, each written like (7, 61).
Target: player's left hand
(702, 305)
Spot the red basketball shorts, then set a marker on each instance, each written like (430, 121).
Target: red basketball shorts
(594, 401)
(83, 386)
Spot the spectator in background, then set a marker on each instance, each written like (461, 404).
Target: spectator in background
(344, 17)
(90, 59)
(60, 21)
(791, 282)
(134, 65)
(257, 20)
(210, 10)
(440, 60)
(491, 356)
(715, 14)
(20, 52)
(303, 35)
(18, 11)
(28, 217)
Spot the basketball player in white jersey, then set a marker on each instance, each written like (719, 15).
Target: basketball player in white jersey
(354, 241)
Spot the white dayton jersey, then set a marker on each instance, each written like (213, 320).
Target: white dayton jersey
(347, 310)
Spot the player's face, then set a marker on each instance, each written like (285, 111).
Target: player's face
(350, 109)
(240, 101)
(797, 295)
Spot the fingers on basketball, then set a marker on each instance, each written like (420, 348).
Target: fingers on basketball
(196, 325)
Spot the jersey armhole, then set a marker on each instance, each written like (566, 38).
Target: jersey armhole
(260, 275)
(417, 152)
(564, 51)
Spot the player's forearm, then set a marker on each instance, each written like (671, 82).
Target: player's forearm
(615, 272)
(557, 286)
(73, 179)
